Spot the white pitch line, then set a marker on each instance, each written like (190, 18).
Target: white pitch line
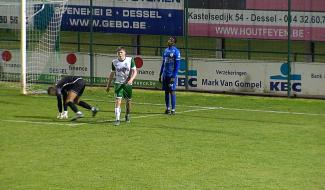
(224, 108)
(231, 109)
(160, 114)
(43, 122)
(239, 109)
(152, 115)
(272, 111)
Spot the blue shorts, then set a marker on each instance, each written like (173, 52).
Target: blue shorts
(167, 86)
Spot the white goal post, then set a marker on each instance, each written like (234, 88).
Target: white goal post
(40, 27)
(31, 31)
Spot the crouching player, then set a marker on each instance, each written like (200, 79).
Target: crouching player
(68, 91)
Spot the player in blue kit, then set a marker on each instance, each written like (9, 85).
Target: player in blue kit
(168, 74)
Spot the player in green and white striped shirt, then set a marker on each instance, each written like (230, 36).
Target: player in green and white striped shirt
(125, 71)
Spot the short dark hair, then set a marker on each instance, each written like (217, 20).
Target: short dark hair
(120, 48)
(51, 88)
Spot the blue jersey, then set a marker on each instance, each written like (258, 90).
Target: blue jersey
(171, 62)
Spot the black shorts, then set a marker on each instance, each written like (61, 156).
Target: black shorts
(78, 87)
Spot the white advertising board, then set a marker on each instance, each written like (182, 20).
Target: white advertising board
(257, 77)
(207, 75)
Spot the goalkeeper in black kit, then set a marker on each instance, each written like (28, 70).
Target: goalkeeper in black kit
(68, 91)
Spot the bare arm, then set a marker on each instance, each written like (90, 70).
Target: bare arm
(133, 75)
(109, 80)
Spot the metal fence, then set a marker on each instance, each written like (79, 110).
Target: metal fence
(285, 31)
(225, 29)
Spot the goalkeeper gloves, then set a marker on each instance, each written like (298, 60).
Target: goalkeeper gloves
(63, 115)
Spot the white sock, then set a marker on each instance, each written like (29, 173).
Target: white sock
(79, 112)
(117, 113)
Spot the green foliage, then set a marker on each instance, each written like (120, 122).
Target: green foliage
(213, 142)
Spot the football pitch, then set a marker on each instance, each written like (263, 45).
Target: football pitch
(213, 142)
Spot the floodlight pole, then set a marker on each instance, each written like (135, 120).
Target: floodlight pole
(289, 49)
(23, 46)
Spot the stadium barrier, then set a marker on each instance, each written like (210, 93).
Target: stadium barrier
(206, 75)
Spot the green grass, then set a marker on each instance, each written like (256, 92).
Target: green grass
(243, 145)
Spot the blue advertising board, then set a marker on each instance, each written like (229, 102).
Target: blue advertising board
(123, 20)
